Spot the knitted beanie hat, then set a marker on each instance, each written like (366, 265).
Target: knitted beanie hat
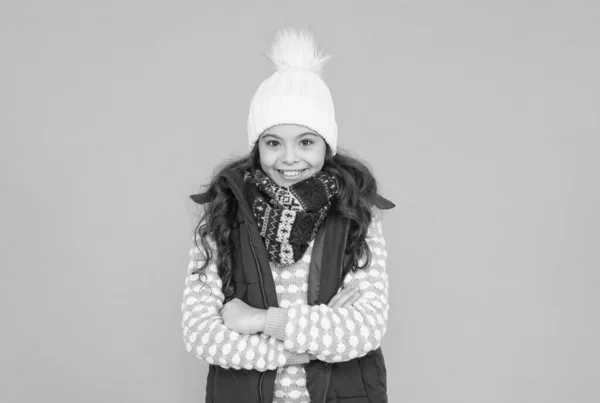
(295, 93)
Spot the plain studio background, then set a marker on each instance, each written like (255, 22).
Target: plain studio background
(480, 119)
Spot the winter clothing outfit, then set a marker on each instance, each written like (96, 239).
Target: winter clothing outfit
(347, 364)
(288, 257)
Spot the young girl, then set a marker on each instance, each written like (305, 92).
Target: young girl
(286, 296)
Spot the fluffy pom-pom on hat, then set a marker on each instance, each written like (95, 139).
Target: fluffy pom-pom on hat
(296, 92)
(296, 50)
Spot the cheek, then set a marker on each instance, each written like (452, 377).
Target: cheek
(267, 159)
(264, 164)
(318, 158)
(317, 163)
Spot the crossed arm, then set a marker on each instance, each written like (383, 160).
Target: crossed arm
(236, 335)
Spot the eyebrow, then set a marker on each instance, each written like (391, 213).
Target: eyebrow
(279, 138)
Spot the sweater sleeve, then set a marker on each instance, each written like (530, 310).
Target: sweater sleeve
(340, 334)
(208, 338)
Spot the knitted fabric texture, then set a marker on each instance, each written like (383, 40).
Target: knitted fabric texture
(298, 330)
(289, 217)
(295, 93)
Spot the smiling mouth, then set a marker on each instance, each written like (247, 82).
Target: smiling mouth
(291, 174)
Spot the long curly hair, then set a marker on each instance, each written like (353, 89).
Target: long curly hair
(357, 191)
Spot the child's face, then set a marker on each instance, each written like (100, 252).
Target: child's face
(291, 153)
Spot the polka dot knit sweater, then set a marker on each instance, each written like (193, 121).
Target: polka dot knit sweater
(295, 333)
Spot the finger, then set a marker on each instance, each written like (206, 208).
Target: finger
(344, 296)
(231, 302)
(336, 297)
(335, 301)
(347, 299)
(355, 297)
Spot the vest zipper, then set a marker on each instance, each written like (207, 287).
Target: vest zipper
(262, 289)
(327, 378)
(328, 369)
(260, 381)
(344, 252)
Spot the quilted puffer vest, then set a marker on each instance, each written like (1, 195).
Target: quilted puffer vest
(361, 380)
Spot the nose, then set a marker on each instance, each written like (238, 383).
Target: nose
(290, 155)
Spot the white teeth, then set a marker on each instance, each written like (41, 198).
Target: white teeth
(291, 173)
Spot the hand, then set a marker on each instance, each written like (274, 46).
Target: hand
(345, 298)
(242, 318)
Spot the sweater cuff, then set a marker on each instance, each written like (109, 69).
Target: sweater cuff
(275, 324)
(296, 359)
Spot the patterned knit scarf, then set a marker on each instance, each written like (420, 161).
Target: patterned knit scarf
(289, 217)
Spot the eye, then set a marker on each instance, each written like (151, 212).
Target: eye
(306, 142)
(272, 143)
